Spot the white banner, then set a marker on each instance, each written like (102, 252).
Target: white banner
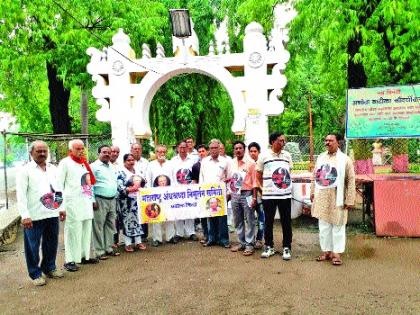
(159, 204)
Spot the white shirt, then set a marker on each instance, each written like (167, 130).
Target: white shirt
(182, 170)
(213, 170)
(77, 192)
(32, 182)
(141, 167)
(155, 169)
(275, 169)
(194, 155)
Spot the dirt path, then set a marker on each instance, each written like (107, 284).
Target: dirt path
(379, 276)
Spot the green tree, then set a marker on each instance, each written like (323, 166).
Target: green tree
(48, 39)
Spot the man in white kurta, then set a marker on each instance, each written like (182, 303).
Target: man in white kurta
(159, 173)
(333, 193)
(75, 179)
(182, 175)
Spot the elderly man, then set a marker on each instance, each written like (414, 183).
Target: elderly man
(76, 179)
(104, 206)
(214, 169)
(273, 171)
(39, 205)
(159, 173)
(333, 192)
(140, 166)
(182, 175)
(243, 189)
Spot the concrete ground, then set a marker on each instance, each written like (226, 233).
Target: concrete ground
(379, 276)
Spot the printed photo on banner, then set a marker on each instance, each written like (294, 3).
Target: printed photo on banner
(214, 207)
(171, 203)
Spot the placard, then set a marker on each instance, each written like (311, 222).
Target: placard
(383, 112)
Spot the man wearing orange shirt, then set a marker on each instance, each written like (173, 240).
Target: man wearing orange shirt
(242, 185)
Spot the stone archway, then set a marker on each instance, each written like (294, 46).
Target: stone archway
(125, 86)
(152, 82)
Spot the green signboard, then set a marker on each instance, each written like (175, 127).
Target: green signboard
(383, 112)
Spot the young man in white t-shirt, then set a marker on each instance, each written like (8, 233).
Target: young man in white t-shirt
(273, 172)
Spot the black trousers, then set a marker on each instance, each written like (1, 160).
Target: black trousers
(270, 207)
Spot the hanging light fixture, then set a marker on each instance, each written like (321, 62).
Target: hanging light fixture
(181, 25)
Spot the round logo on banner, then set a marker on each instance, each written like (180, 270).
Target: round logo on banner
(281, 178)
(152, 210)
(184, 176)
(326, 175)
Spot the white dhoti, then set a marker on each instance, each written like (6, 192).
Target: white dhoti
(157, 231)
(185, 227)
(77, 238)
(332, 238)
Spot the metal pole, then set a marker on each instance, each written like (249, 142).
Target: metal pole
(5, 168)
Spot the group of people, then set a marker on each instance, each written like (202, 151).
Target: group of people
(99, 200)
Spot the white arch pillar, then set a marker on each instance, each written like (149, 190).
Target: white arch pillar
(254, 96)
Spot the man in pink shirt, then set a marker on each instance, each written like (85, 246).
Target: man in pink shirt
(242, 186)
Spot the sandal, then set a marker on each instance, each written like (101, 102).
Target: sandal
(248, 252)
(113, 253)
(141, 246)
(324, 257)
(129, 249)
(336, 261)
(103, 257)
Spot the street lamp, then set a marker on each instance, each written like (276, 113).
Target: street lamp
(181, 25)
(181, 28)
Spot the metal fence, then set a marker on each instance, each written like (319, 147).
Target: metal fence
(15, 152)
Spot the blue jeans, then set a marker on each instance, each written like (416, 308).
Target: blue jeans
(218, 230)
(45, 231)
(260, 221)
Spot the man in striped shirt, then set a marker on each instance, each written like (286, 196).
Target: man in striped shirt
(273, 173)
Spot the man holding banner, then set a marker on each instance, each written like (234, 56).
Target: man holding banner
(214, 169)
(159, 173)
(182, 175)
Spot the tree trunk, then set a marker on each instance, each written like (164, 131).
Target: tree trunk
(84, 110)
(356, 76)
(59, 102)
